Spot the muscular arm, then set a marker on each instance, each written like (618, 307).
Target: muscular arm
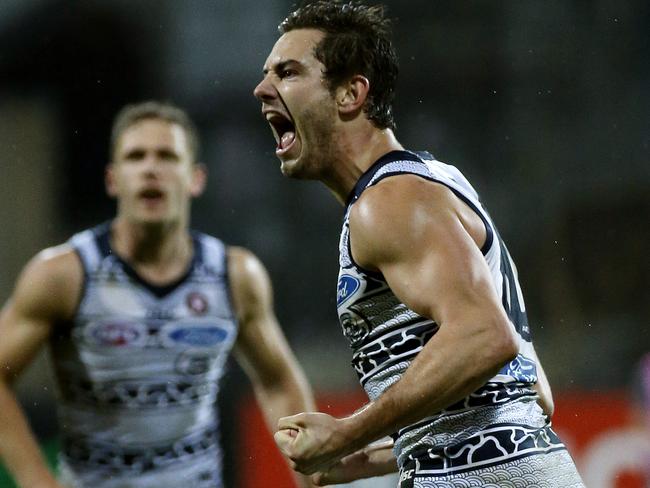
(261, 348)
(427, 247)
(45, 294)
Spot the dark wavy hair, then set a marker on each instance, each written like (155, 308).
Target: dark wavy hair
(357, 41)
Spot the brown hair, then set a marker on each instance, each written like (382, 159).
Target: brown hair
(357, 41)
(131, 114)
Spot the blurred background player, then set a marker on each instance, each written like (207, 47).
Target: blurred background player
(428, 295)
(141, 314)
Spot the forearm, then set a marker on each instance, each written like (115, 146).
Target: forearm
(449, 368)
(282, 398)
(18, 447)
(288, 397)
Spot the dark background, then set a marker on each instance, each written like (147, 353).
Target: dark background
(545, 106)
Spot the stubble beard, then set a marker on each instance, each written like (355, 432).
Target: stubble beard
(315, 160)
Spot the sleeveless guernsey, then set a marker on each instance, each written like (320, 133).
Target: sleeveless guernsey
(500, 423)
(138, 371)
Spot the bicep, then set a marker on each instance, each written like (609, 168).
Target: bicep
(43, 296)
(423, 248)
(444, 279)
(22, 336)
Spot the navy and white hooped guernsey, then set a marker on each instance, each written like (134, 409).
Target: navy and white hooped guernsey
(138, 371)
(498, 427)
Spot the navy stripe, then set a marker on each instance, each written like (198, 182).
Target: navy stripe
(370, 172)
(373, 335)
(509, 288)
(469, 469)
(467, 404)
(103, 240)
(506, 443)
(102, 237)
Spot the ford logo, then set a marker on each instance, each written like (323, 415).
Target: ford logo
(199, 336)
(346, 288)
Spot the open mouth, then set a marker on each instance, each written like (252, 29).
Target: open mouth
(283, 130)
(151, 195)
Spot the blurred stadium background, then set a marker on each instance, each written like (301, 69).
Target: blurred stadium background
(544, 105)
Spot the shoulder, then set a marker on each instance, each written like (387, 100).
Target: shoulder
(51, 282)
(243, 264)
(399, 195)
(249, 281)
(399, 209)
(55, 265)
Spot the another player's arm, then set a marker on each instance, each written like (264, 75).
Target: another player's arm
(543, 389)
(261, 348)
(45, 294)
(427, 246)
(377, 459)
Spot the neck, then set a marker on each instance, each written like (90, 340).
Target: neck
(356, 151)
(151, 244)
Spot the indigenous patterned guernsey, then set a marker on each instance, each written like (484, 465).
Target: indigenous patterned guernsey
(498, 433)
(138, 371)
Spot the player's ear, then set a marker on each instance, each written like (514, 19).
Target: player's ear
(199, 179)
(351, 96)
(109, 181)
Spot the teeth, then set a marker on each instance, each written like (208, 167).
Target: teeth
(275, 115)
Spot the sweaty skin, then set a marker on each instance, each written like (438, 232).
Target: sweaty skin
(426, 246)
